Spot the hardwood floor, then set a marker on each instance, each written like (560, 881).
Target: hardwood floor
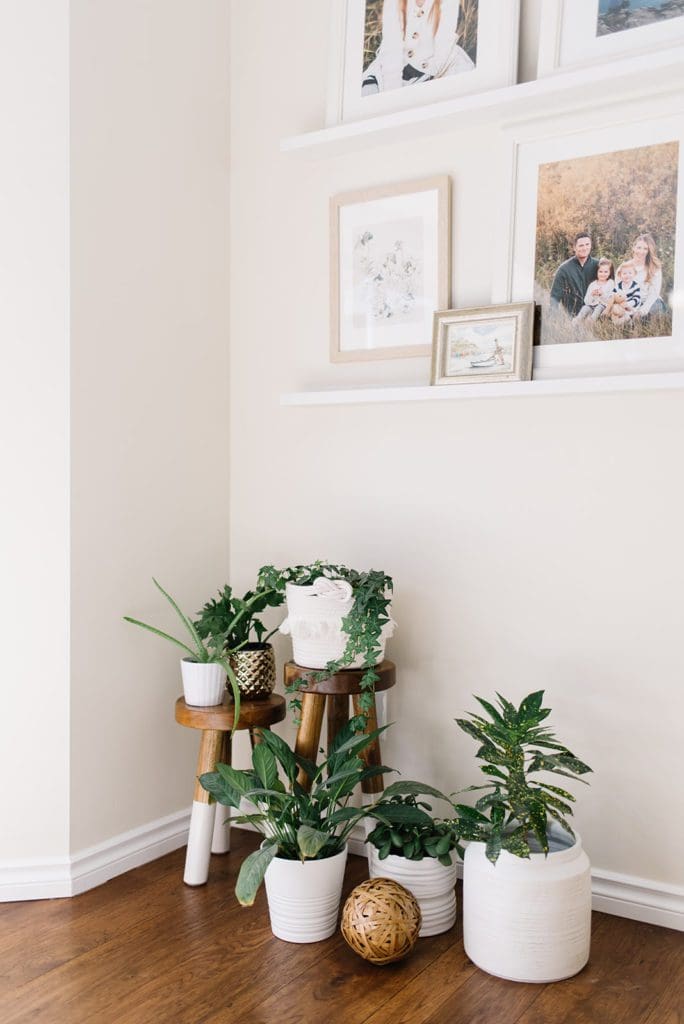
(146, 949)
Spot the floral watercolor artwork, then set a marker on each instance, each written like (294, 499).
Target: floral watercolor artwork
(388, 273)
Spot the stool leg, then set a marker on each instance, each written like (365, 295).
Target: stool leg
(220, 840)
(337, 713)
(203, 813)
(309, 732)
(371, 755)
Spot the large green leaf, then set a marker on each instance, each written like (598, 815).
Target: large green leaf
(281, 751)
(252, 873)
(164, 636)
(201, 650)
(401, 814)
(407, 787)
(265, 765)
(220, 789)
(311, 841)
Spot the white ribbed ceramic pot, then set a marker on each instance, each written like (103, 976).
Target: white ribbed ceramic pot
(528, 920)
(314, 621)
(203, 684)
(304, 898)
(433, 884)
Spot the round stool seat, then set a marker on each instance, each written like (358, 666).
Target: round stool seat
(259, 713)
(346, 681)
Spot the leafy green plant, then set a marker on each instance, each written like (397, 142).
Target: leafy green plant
(425, 836)
(206, 650)
(235, 617)
(298, 822)
(514, 812)
(363, 625)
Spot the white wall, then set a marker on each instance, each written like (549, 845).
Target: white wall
(149, 222)
(534, 543)
(34, 425)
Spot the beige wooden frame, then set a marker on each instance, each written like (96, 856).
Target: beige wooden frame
(441, 184)
(521, 312)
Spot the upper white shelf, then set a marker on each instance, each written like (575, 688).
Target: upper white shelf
(528, 388)
(604, 83)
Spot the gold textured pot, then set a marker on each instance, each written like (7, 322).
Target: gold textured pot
(255, 670)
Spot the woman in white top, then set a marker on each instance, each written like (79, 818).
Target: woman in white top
(419, 43)
(649, 277)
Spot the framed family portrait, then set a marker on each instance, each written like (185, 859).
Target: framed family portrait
(390, 268)
(575, 33)
(390, 55)
(487, 343)
(597, 242)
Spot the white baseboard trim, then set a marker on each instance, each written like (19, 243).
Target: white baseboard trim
(622, 895)
(41, 879)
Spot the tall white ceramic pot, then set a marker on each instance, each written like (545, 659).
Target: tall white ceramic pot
(304, 898)
(203, 684)
(433, 884)
(528, 920)
(314, 621)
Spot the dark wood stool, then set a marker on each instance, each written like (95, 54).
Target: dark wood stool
(208, 832)
(336, 691)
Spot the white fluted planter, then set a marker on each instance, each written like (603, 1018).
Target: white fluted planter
(433, 884)
(304, 898)
(528, 920)
(203, 684)
(314, 622)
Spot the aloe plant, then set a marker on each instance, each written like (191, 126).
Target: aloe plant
(299, 823)
(206, 651)
(514, 812)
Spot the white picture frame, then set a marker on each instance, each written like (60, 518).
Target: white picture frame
(496, 64)
(390, 268)
(569, 39)
(542, 144)
(483, 343)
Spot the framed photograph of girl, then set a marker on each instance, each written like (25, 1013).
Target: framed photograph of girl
(576, 33)
(389, 55)
(596, 241)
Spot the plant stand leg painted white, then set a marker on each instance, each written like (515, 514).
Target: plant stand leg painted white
(220, 840)
(203, 812)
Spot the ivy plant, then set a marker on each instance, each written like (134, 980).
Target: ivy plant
(424, 836)
(363, 625)
(515, 810)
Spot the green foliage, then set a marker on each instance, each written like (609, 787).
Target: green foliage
(513, 813)
(363, 624)
(207, 649)
(298, 823)
(410, 831)
(236, 617)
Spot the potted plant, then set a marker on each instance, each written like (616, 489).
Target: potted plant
(252, 661)
(418, 852)
(526, 878)
(337, 617)
(204, 668)
(304, 850)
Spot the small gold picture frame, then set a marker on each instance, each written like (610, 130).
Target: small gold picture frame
(485, 343)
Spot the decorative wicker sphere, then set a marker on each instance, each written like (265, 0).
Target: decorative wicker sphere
(381, 920)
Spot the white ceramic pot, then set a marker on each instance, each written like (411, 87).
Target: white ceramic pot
(304, 898)
(528, 920)
(314, 621)
(203, 684)
(433, 884)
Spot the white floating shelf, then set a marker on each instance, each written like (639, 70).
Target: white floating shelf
(512, 389)
(584, 87)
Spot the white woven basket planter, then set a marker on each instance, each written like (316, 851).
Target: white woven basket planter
(203, 684)
(528, 920)
(314, 621)
(431, 883)
(304, 898)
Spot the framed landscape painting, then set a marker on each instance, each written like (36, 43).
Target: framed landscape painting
(390, 269)
(597, 242)
(575, 33)
(390, 55)
(486, 343)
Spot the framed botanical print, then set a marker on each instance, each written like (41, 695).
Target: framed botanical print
(576, 33)
(390, 55)
(390, 269)
(597, 242)
(487, 343)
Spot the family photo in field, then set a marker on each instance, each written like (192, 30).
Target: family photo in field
(605, 245)
(407, 42)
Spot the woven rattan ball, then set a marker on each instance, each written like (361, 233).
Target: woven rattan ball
(381, 920)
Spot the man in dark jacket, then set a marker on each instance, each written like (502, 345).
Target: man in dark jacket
(574, 276)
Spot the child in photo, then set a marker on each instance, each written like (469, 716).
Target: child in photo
(626, 296)
(599, 291)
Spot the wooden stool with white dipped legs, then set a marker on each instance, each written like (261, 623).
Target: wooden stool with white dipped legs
(208, 832)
